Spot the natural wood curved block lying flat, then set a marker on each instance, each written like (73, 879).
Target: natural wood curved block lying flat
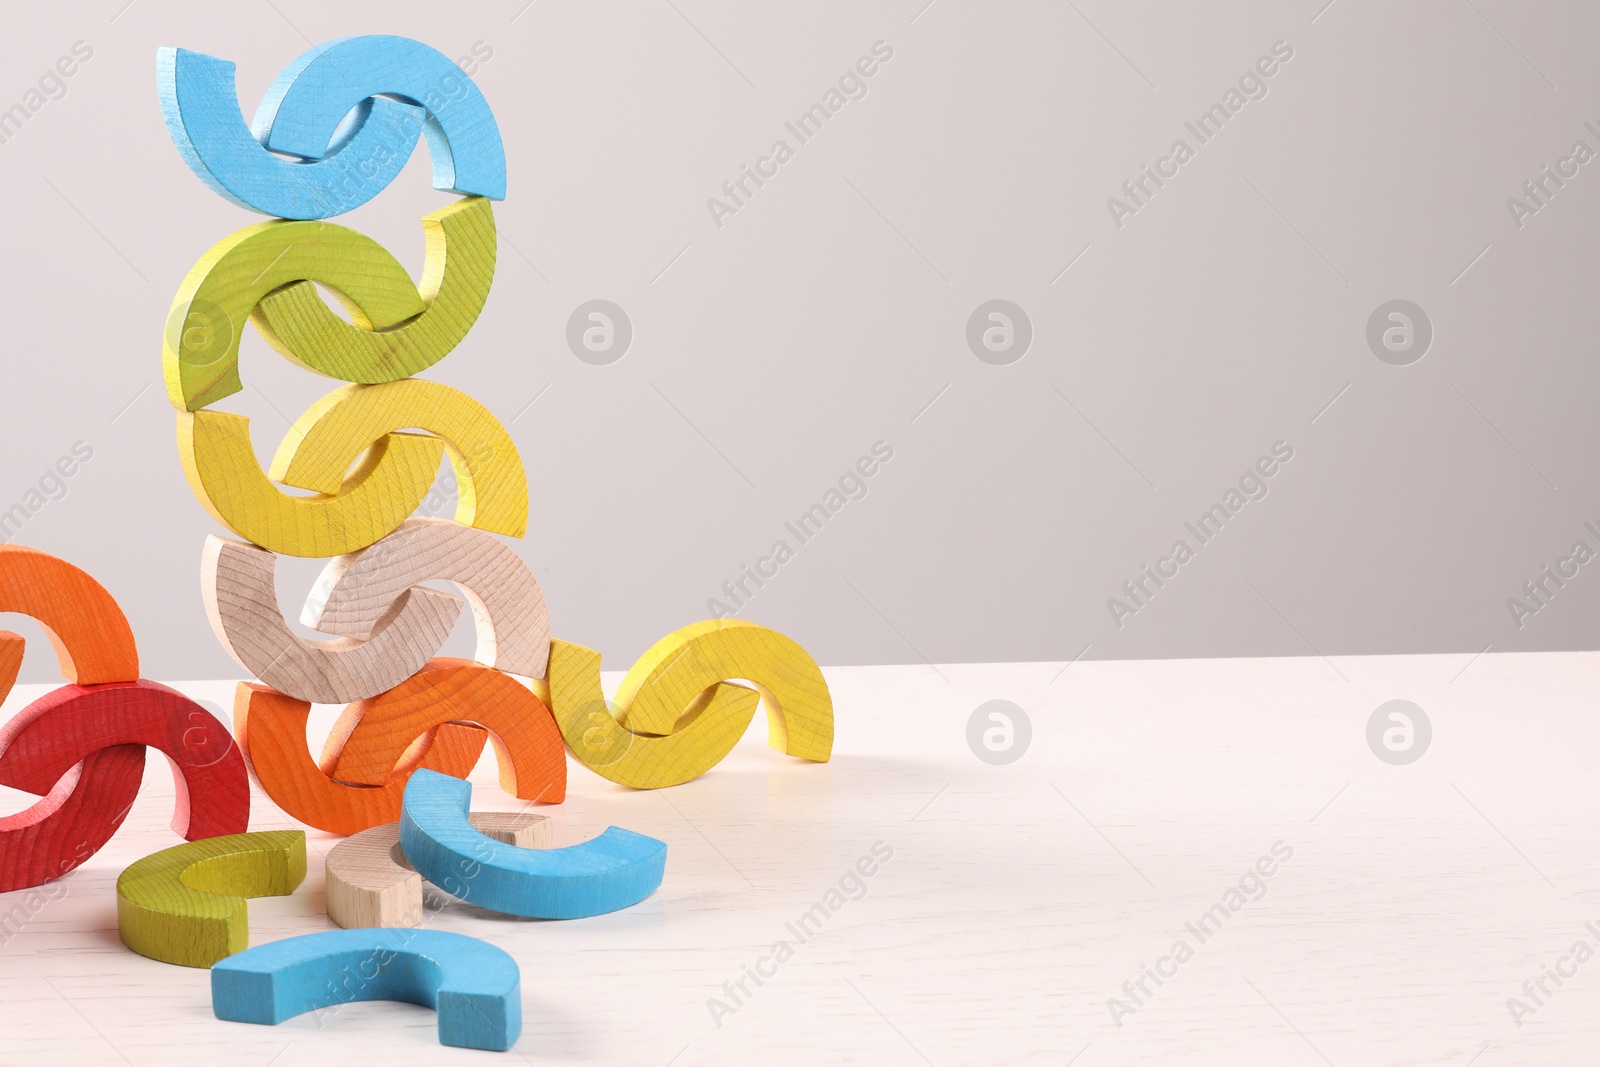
(357, 590)
(92, 638)
(371, 736)
(333, 432)
(390, 479)
(73, 821)
(65, 727)
(607, 873)
(474, 986)
(271, 729)
(455, 284)
(186, 904)
(642, 761)
(662, 687)
(241, 598)
(200, 351)
(371, 883)
(301, 112)
(201, 106)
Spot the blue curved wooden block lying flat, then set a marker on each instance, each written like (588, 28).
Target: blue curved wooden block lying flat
(302, 111)
(611, 872)
(474, 986)
(201, 106)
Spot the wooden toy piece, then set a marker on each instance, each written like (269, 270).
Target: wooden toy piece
(371, 736)
(200, 349)
(513, 625)
(663, 685)
(389, 480)
(92, 638)
(455, 284)
(371, 883)
(610, 872)
(271, 729)
(186, 904)
(201, 106)
(474, 986)
(12, 648)
(334, 431)
(301, 112)
(73, 821)
(238, 585)
(642, 761)
(63, 728)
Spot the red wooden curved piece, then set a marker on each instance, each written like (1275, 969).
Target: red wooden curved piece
(66, 727)
(73, 821)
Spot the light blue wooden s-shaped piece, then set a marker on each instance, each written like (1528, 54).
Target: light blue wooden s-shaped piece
(200, 104)
(474, 986)
(301, 112)
(613, 871)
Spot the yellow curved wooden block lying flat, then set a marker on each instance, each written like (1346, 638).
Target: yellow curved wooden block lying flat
(237, 583)
(200, 350)
(371, 883)
(455, 284)
(642, 761)
(319, 447)
(357, 592)
(390, 480)
(186, 904)
(662, 686)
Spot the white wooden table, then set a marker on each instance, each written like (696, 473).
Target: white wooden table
(1019, 898)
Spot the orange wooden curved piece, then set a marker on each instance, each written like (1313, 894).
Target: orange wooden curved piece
(91, 636)
(271, 730)
(372, 735)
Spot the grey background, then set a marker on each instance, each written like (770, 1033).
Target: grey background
(830, 313)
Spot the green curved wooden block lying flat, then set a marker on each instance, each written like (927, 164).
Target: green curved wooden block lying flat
(186, 904)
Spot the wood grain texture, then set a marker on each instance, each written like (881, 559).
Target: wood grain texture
(371, 883)
(45, 740)
(371, 736)
(72, 821)
(357, 590)
(661, 688)
(333, 432)
(200, 104)
(237, 583)
(642, 761)
(302, 110)
(607, 873)
(91, 636)
(200, 348)
(455, 283)
(186, 904)
(475, 987)
(388, 482)
(271, 731)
